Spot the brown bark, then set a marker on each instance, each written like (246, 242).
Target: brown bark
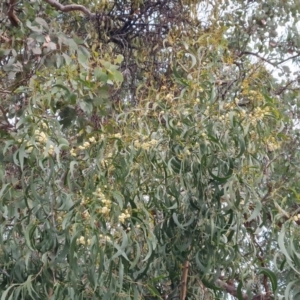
(232, 290)
(70, 7)
(184, 277)
(14, 20)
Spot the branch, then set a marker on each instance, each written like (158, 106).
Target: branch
(184, 280)
(285, 60)
(2, 91)
(232, 290)
(282, 89)
(258, 56)
(70, 7)
(11, 14)
(4, 39)
(4, 112)
(268, 61)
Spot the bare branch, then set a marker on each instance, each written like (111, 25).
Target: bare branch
(258, 56)
(184, 280)
(287, 59)
(5, 91)
(274, 64)
(282, 89)
(70, 7)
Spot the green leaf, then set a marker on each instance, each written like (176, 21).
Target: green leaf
(256, 211)
(29, 238)
(175, 218)
(118, 59)
(154, 291)
(239, 291)
(271, 276)
(288, 290)
(121, 274)
(137, 256)
(42, 22)
(121, 249)
(118, 76)
(100, 74)
(281, 243)
(3, 189)
(3, 297)
(61, 86)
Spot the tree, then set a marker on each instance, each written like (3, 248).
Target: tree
(149, 151)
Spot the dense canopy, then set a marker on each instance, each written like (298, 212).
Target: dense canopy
(149, 149)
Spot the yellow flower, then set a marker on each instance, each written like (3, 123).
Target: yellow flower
(44, 125)
(123, 216)
(117, 135)
(40, 136)
(29, 147)
(81, 241)
(86, 145)
(92, 140)
(73, 152)
(169, 97)
(137, 144)
(51, 150)
(86, 215)
(105, 210)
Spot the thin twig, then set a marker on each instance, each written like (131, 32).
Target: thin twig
(274, 64)
(258, 56)
(287, 59)
(5, 91)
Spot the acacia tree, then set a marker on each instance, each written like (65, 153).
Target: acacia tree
(147, 150)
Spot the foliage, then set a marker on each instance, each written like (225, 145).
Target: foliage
(148, 152)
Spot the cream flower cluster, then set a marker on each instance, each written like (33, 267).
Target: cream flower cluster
(272, 144)
(254, 95)
(229, 106)
(41, 139)
(123, 216)
(86, 215)
(83, 241)
(258, 114)
(73, 152)
(117, 136)
(105, 209)
(40, 136)
(86, 145)
(106, 238)
(296, 218)
(104, 161)
(169, 97)
(85, 200)
(50, 150)
(145, 145)
(206, 112)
